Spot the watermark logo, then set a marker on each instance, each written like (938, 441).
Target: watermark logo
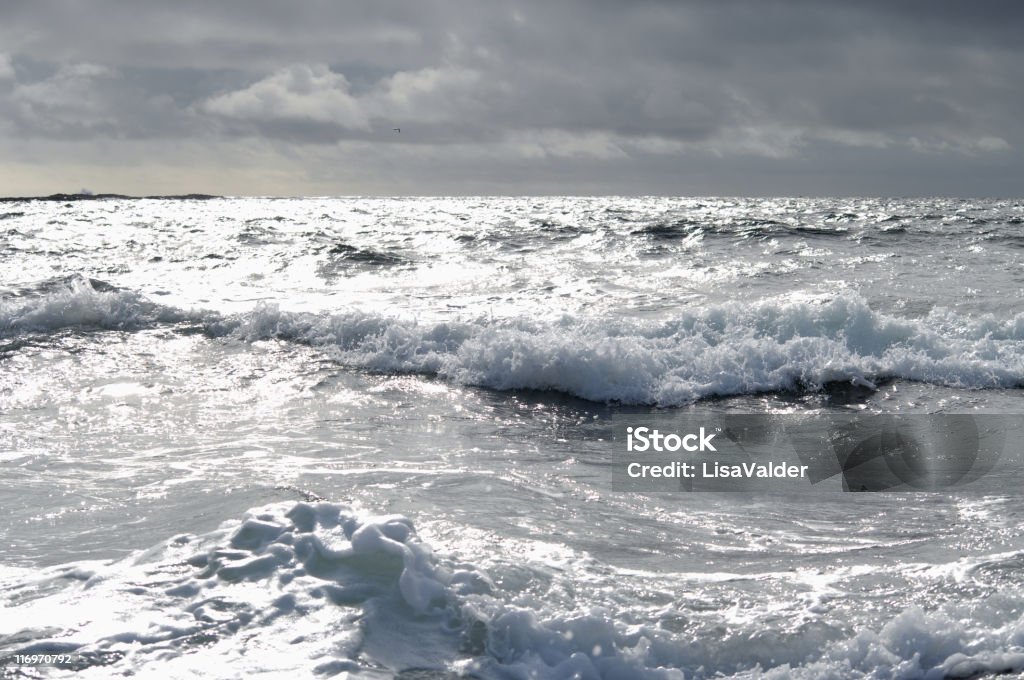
(935, 452)
(645, 438)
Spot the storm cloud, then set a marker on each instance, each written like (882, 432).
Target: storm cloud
(735, 97)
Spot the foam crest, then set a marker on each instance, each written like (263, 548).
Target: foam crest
(719, 350)
(81, 302)
(916, 644)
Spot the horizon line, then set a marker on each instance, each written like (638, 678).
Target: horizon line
(91, 196)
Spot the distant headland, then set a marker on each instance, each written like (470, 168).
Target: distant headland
(99, 197)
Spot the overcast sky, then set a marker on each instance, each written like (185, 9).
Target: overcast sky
(731, 97)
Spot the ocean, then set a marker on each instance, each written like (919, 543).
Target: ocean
(374, 437)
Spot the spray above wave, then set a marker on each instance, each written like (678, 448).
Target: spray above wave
(718, 350)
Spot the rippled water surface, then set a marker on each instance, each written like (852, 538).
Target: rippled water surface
(370, 436)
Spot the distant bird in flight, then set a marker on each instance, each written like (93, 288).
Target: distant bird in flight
(397, 129)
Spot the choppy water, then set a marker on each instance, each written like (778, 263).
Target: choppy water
(210, 409)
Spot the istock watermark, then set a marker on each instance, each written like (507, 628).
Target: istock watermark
(644, 438)
(839, 452)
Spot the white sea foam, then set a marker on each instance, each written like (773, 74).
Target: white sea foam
(77, 302)
(323, 589)
(916, 644)
(718, 350)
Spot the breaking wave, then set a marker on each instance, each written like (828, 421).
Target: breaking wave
(718, 350)
(722, 350)
(78, 302)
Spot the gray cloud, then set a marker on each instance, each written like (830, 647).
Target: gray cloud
(738, 96)
(6, 69)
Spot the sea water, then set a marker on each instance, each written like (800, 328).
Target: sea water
(369, 437)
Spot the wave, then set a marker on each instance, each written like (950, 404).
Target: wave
(670, 230)
(79, 302)
(326, 589)
(343, 260)
(343, 251)
(721, 350)
(746, 228)
(717, 350)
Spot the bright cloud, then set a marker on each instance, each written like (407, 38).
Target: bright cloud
(301, 93)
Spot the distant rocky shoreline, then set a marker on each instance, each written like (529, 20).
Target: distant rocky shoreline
(98, 197)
